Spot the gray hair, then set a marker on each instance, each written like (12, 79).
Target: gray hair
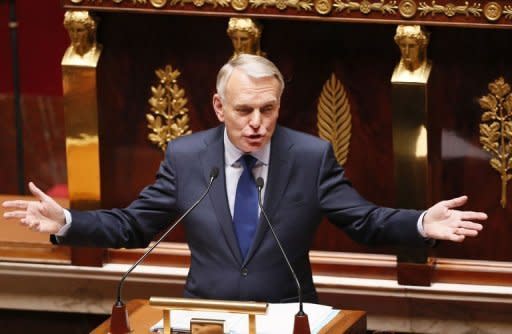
(252, 65)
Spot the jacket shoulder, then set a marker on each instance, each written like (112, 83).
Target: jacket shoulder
(195, 141)
(304, 141)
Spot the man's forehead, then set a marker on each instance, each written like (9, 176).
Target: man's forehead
(242, 101)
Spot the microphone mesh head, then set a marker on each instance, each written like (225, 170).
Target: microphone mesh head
(214, 172)
(260, 182)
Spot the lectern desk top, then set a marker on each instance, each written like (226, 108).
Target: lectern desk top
(143, 316)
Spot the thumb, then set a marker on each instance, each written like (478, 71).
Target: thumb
(38, 192)
(456, 202)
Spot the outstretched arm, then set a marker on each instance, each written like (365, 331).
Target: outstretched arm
(42, 215)
(443, 222)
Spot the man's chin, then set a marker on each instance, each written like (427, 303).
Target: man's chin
(252, 146)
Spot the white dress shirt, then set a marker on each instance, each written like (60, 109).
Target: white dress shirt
(234, 168)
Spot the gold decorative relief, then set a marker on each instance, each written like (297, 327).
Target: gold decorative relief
(306, 5)
(508, 12)
(487, 12)
(492, 11)
(334, 118)
(200, 3)
(169, 118)
(366, 7)
(496, 131)
(323, 7)
(158, 3)
(407, 8)
(143, 2)
(239, 4)
(450, 9)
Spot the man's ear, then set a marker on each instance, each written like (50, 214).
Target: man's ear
(218, 107)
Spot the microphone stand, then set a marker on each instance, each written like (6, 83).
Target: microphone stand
(301, 324)
(119, 323)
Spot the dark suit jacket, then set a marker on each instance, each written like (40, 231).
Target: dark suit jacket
(304, 184)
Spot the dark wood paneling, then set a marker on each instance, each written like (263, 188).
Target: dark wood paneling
(43, 139)
(362, 56)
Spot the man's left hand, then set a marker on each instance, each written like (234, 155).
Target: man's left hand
(443, 222)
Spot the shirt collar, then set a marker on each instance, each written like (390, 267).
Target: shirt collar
(232, 153)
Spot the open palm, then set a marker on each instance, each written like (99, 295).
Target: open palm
(44, 215)
(443, 222)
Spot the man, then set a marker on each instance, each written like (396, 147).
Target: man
(233, 257)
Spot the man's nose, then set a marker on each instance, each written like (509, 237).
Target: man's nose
(255, 120)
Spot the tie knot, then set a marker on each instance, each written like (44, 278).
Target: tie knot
(248, 161)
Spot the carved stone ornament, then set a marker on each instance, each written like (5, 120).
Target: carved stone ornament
(169, 118)
(496, 131)
(334, 118)
(407, 8)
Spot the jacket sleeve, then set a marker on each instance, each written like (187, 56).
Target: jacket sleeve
(134, 226)
(362, 220)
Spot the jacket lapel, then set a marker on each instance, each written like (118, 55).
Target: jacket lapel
(214, 157)
(280, 165)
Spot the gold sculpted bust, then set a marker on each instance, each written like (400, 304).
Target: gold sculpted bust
(245, 35)
(81, 29)
(414, 66)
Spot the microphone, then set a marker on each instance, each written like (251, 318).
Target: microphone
(301, 325)
(119, 319)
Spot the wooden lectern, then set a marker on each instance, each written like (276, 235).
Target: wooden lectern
(143, 316)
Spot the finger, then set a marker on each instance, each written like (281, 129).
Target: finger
(472, 215)
(455, 202)
(37, 192)
(471, 226)
(466, 232)
(15, 214)
(18, 204)
(34, 225)
(457, 237)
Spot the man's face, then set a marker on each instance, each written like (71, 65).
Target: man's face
(249, 110)
(410, 50)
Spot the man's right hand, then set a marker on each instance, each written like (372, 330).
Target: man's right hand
(43, 215)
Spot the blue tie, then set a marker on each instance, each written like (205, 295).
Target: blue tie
(245, 217)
